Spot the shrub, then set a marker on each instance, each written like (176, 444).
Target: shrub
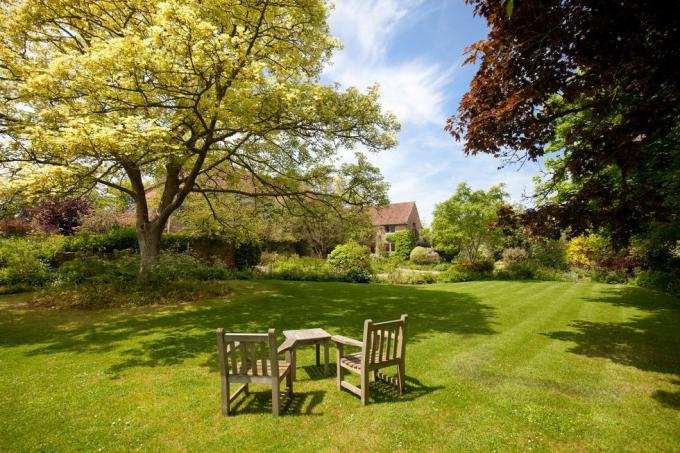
(114, 240)
(400, 277)
(404, 241)
(103, 220)
(549, 253)
(514, 256)
(456, 276)
(477, 266)
(92, 296)
(668, 282)
(351, 260)
(387, 264)
(18, 226)
(300, 268)
(422, 255)
(26, 261)
(609, 276)
(61, 216)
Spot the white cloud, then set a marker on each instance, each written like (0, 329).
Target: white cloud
(414, 90)
(428, 164)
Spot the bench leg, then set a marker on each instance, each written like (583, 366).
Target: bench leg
(276, 397)
(402, 376)
(364, 387)
(340, 370)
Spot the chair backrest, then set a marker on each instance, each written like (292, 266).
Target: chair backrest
(239, 353)
(384, 341)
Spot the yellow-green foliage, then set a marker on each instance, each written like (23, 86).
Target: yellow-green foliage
(577, 254)
(588, 251)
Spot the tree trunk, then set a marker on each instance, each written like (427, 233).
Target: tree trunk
(149, 237)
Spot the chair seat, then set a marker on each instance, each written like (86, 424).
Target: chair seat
(353, 361)
(283, 367)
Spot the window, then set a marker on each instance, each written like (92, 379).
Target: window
(389, 229)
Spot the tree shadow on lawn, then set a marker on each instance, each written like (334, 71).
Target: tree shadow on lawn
(170, 335)
(650, 342)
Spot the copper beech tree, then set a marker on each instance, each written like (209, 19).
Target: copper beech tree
(179, 96)
(594, 82)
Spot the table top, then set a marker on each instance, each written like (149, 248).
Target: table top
(306, 334)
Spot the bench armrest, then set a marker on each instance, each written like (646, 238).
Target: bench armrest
(347, 341)
(285, 346)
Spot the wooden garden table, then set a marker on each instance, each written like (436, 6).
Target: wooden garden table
(304, 337)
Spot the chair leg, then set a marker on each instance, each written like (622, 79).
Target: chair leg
(276, 397)
(364, 387)
(341, 371)
(402, 377)
(225, 396)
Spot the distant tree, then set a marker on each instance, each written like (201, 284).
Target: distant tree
(598, 83)
(463, 223)
(180, 95)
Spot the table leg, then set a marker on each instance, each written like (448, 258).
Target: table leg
(326, 347)
(294, 363)
(318, 354)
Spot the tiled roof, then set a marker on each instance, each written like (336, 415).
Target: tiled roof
(393, 214)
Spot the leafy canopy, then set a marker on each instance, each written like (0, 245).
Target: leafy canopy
(595, 82)
(463, 223)
(202, 96)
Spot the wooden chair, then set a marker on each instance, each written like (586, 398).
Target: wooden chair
(383, 345)
(253, 358)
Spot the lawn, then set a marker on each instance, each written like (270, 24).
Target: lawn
(508, 366)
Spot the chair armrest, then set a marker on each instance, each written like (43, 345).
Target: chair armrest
(285, 346)
(347, 341)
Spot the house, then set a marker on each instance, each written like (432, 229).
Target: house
(391, 218)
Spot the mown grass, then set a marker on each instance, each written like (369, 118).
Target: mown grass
(507, 366)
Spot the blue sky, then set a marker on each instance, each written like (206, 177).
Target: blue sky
(414, 50)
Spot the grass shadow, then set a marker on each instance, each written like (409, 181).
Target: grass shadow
(383, 392)
(299, 403)
(167, 336)
(648, 342)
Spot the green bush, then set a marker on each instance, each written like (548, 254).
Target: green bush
(549, 253)
(668, 282)
(456, 276)
(514, 256)
(351, 260)
(299, 268)
(114, 240)
(422, 255)
(609, 276)
(26, 261)
(404, 241)
(385, 264)
(400, 277)
(477, 266)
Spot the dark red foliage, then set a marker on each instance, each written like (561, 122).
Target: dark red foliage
(16, 226)
(60, 216)
(618, 62)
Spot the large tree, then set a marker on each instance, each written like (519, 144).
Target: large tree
(599, 80)
(464, 223)
(178, 95)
